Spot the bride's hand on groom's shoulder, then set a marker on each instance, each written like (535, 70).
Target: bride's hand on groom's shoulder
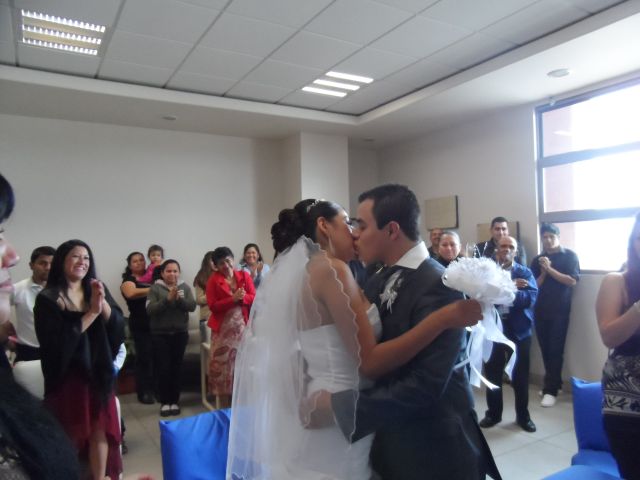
(316, 411)
(465, 313)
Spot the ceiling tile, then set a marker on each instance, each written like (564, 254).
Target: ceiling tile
(594, 6)
(200, 83)
(420, 74)
(102, 12)
(373, 63)
(367, 99)
(246, 35)
(472, 14)
(156, 52)
(283, 75)
(134, 73)
(7, 53)
(292, 13)
(357, 21)
(219, 63)
(535, 21)
(413, 6)
(470, 51)
(256, 91)
(420, 37)
(308, 100)
(168, 19)
(57, 61)
(316, 51)
(6, 24)
(215, 4)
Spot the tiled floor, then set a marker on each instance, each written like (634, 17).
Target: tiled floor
(519, 455)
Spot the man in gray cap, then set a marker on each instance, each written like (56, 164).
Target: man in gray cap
(556, 271)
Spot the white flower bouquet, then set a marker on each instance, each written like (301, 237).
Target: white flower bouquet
(482, 279)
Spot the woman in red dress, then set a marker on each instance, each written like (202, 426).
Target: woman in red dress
(80, 328)
(230, 294)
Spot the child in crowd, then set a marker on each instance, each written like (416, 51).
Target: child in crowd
(156, 257)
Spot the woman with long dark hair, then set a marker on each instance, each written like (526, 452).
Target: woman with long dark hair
(200, 285)
(80, 328)
(135, 291)
(618, 312)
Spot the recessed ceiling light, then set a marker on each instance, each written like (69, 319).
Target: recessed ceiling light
(60, 33)
(559, 73)
(348, 76)
(170, 118)
(329, 83)
(324, 91)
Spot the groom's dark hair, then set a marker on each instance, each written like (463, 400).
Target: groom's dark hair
(395, 203)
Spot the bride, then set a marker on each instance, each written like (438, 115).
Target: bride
(312, 329)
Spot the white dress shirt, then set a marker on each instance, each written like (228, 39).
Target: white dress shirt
(24, 298)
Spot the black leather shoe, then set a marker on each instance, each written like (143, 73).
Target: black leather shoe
(146, 398)
(527, 425)
(488, 422)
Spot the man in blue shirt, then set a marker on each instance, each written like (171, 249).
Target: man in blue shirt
(556, 270)
(517, 322)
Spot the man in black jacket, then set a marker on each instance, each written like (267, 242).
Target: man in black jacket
(422, 413)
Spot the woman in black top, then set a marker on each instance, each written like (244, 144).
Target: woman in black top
(135, 291)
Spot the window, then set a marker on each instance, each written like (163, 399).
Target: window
(589, 172)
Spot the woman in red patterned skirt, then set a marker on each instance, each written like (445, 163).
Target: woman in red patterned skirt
(230, 294)
(80, 328)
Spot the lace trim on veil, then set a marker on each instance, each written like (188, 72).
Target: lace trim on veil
(273, 375)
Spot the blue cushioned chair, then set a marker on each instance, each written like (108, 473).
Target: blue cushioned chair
(593, 446)
(195, 448)
(581, 472)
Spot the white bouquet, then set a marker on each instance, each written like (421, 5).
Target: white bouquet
(482, 279)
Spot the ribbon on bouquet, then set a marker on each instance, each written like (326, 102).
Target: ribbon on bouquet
(483, 280)
(483, 335)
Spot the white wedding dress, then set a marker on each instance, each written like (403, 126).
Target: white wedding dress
(331, 368)
(291, 349)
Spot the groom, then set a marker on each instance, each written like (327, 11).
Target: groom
(422, 413)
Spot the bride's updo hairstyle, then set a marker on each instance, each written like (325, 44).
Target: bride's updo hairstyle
(300, 220)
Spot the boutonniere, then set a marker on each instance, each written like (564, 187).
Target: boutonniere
(390, 293)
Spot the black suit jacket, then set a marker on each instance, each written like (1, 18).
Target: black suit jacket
(422, 413)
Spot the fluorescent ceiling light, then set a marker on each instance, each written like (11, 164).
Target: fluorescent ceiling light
(324, 91)
(61, 33)
(329, 83)
(348, 76)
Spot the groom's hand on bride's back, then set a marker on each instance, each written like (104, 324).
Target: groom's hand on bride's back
(316, 411)
(464, 313)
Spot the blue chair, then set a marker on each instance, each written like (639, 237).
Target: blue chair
(593, 446)
(195, 448)
(581, 472)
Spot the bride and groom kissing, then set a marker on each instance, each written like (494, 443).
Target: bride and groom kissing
(332, 382)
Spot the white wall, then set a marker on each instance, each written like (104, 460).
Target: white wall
(122, 188)
(363, 174)
(490, 164)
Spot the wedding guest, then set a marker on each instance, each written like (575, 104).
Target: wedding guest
(230, 294)
(156, 257)
(170, 301)
(517, 321)
(253, 264)
(135, 292)
(80, 329)
(24, 299)
(557, 270)
(499, 228)
(200, 286)
(434, 238)
(448, 248)
(618, 313)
